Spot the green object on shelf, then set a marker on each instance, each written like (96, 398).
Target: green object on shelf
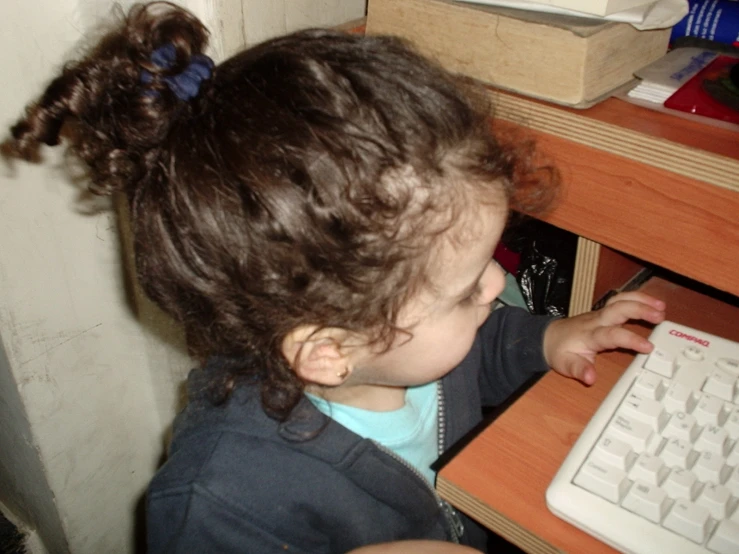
(511, 295)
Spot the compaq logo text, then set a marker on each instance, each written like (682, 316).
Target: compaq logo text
(691, 338)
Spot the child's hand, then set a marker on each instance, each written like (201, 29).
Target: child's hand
(571, 344)
(415, 547)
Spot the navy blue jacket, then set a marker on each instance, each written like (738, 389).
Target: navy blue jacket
(237, 481)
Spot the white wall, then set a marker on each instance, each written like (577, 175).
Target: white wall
(267, 18)
(90, 374)
(83, 428)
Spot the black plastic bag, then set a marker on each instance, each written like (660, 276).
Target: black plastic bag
(546, 267)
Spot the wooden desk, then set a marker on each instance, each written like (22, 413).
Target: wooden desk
(501, 477)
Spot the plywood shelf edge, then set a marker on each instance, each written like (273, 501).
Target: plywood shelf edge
(704, 166)
(492, 519)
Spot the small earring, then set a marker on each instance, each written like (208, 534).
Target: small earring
(343, 374)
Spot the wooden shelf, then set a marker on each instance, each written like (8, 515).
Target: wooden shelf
(641, 196)
(706, 153)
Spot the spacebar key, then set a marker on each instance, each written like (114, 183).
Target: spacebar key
(606, 481)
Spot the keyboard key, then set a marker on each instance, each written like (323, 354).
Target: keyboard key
(649, 469)
(639, 435)
(709, 410)
(728, 364)
(688, 520)
(679, 398)
(646, 500)
(678, 453)
(693, 375)
(710, 468)
(650, 385)
(645, 410)
(720, 383)
(732, 483)
(661, 361)
(712, 439)
(725, 539)
(715, 498)
(682, 426)
(614, 452)
(680, 483)
(732, 424)
(732, 458)
(606, 481)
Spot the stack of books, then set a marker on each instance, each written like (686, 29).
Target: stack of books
(568, 60)
(691, 82)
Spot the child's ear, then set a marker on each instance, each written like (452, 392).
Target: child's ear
(318, 356)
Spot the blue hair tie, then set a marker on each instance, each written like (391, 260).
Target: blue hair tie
(186, 84)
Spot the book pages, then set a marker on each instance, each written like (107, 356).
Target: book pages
(642, 14)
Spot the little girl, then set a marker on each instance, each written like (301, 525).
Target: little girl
(319, 212)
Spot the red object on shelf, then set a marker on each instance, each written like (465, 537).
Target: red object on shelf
(710, 93)
(508, 259)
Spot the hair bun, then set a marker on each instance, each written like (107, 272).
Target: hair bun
(123, 102)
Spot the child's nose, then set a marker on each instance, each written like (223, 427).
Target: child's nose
(493, 282)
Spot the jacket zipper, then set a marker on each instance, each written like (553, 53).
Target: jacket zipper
(450, 515)
(441, 419)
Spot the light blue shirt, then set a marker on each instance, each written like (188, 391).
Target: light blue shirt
(410, 431)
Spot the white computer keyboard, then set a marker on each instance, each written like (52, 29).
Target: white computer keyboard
(656, 470)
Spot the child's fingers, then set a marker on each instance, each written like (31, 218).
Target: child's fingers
(637, 296)
(626, 309)
(586, 373)
(612, 337)
(579, 368)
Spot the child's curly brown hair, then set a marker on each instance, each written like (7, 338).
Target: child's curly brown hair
(302, 185)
